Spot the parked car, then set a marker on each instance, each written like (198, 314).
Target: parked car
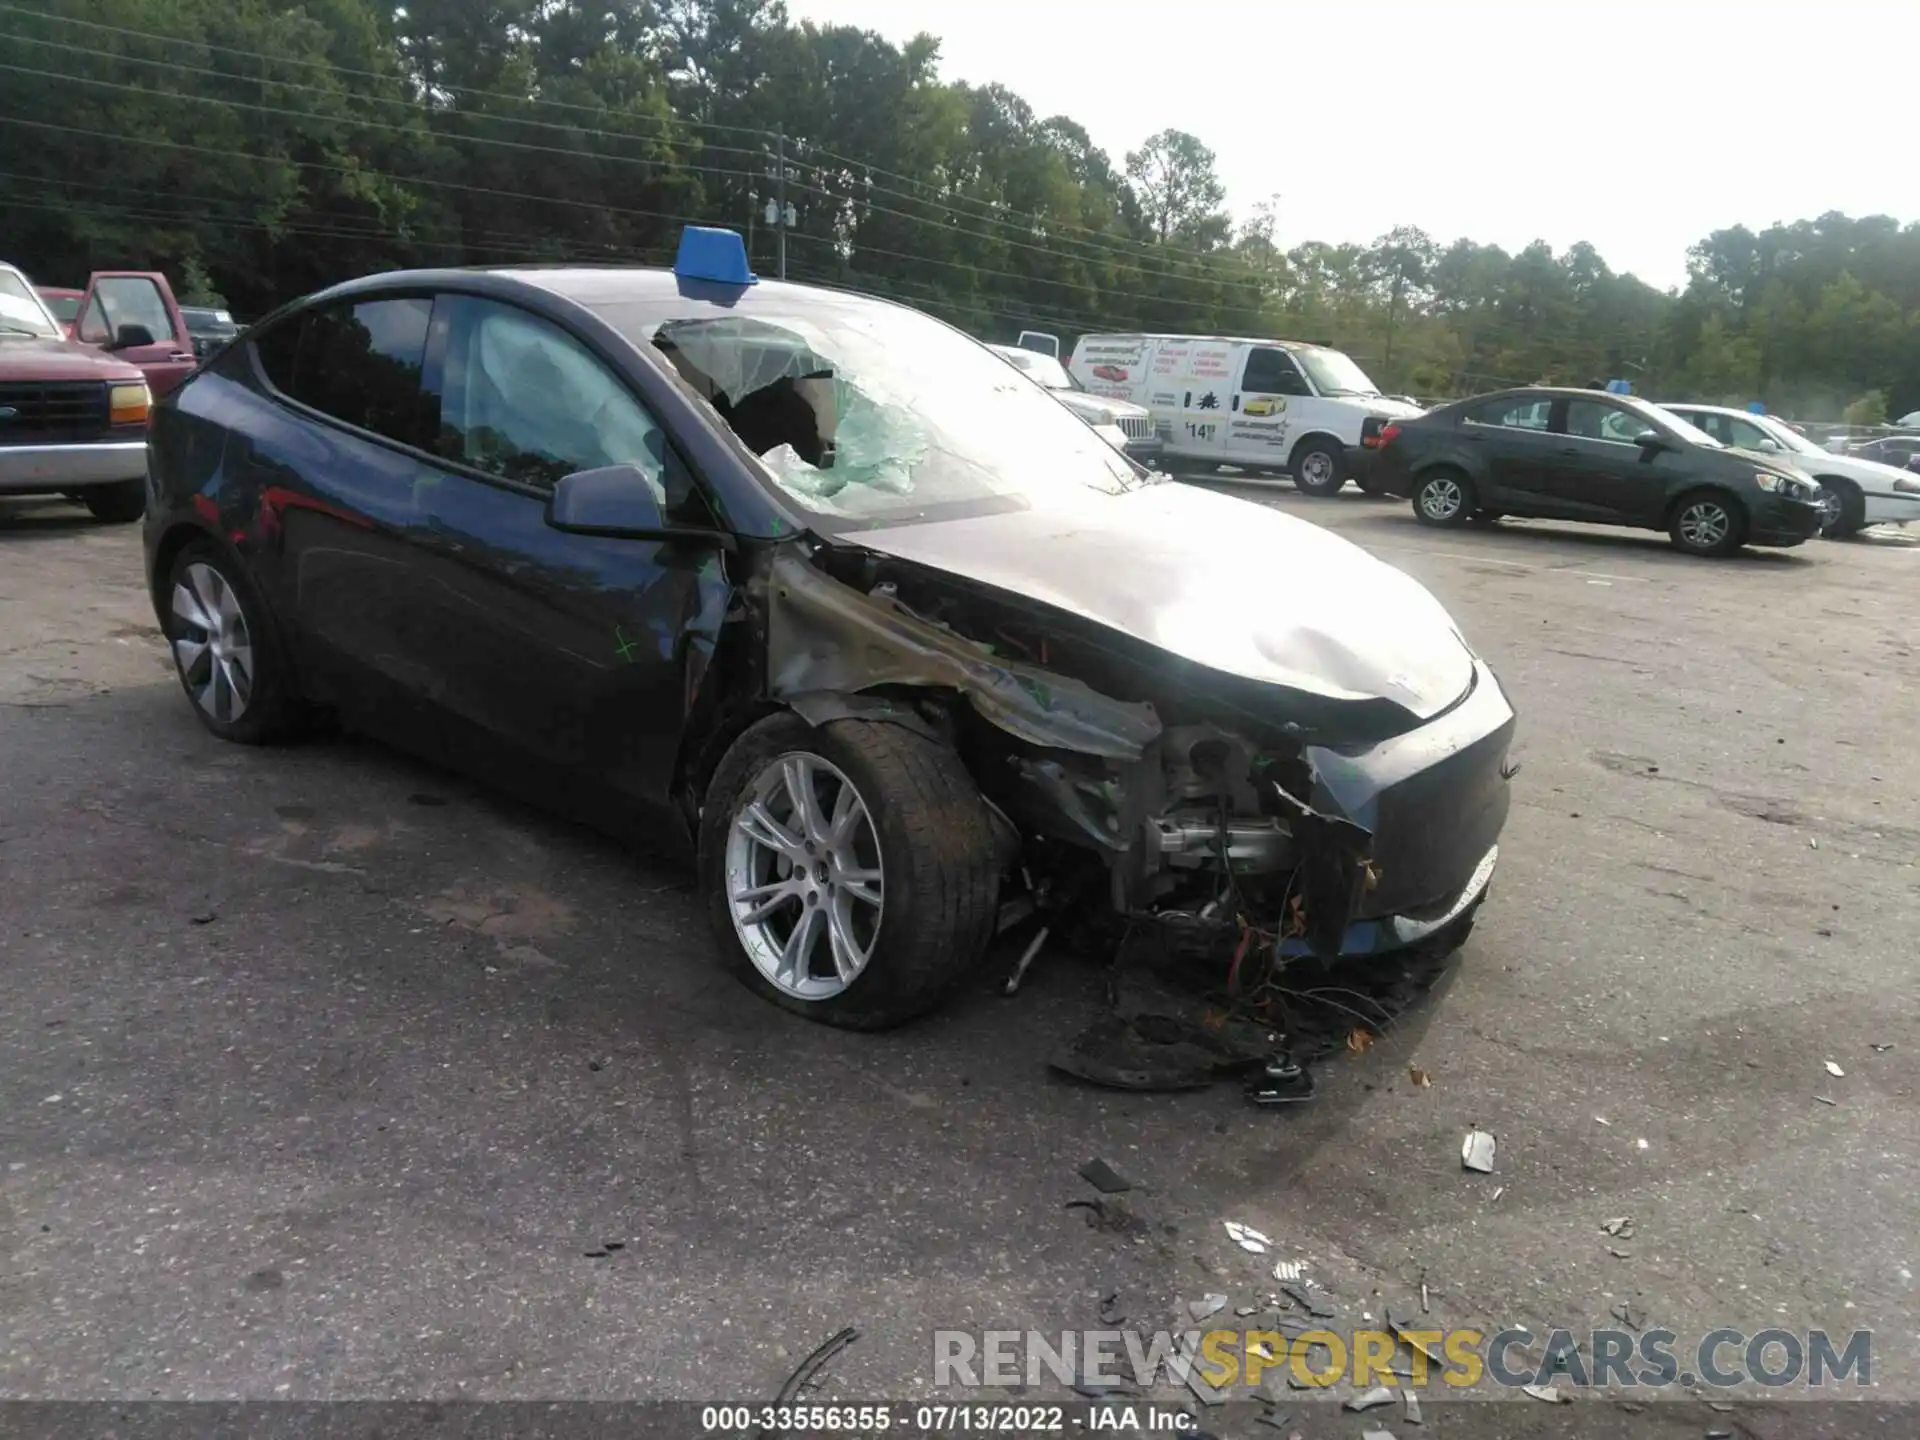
(72, 420)
(63, 304)
(133, 314)
(209, 328)
(791, 579)
(1858, 491)
(1266, 406)
(1899, 451)
(1128, 428)
(1562, 454)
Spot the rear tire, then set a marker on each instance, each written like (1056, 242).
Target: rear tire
(1710, 523)
(923, 842)
(226, 650)
(1853, 509)
(120, 503)
(1320, 468)
(1443, 498)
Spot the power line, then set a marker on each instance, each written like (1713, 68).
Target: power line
(351, 170)
(427, 113)
(1135, 252)
(349, 70)
(369, 124)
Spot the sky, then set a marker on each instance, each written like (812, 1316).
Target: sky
(1637, 127)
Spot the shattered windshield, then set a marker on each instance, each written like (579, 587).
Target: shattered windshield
(873, 414)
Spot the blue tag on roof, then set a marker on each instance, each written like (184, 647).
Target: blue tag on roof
(1755, 407)
(707, 253)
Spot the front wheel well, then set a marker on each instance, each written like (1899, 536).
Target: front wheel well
(1310, 440)
(180, 535)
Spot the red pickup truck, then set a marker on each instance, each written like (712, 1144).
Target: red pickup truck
(73, 418)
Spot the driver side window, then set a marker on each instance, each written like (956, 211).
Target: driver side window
(524, 400)
(1272, 372)
(1595, 420)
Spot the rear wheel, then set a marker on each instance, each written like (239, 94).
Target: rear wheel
(224, 649)
(1708, 522)
(851, 869)
(118, 503)
(1844, 507)
(1320, 468)
(1444, 498)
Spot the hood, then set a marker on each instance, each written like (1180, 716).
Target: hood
(1220, 581)
(24, 359)
(1096, 409)
(1389, 409)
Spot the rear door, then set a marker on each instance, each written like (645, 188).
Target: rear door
(132, 297)
(1197, 376)
(1258, 422)
(1510, 439)
(1600, 473)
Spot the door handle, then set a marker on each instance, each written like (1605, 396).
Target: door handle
(1236, 402)
(1570, 450)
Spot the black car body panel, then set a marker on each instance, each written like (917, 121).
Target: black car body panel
(1331, 734)
(1547, 469)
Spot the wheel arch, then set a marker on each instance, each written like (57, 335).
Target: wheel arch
(1300, 445)
(166, 550)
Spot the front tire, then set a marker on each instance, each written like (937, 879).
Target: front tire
(1851, 518)
(225, 649)
(120, 503)
(1443, 498)
(851, 870)
(1708, 523)
(1320, 468)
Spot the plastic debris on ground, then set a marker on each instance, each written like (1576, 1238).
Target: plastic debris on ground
(1206, 1305)
(1247, 1238)
(1359, 1040)
(1376, 1435)
(1476, 1151)
(1412, 1413)
(1308, 1301)
(1835, 1071)
(1620, 1227)
(1379, 1395)
(1419, 1077)
(1548, 1393)
(1292, 1271)
(1104, 1178)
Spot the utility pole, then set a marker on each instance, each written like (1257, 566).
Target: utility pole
(780, 192)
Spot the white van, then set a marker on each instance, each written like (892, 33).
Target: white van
(1266, 406)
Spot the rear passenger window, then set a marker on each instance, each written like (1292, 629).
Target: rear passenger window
(358, 363)
(1513, 415)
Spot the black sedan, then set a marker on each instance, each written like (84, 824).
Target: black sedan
(1556, 454)
(820, 593)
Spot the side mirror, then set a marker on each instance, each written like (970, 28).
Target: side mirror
(1769, 446)
(1651, 442)
(131, 337)
(617, 501)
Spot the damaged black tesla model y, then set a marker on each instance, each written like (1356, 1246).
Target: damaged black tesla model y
(816, 589)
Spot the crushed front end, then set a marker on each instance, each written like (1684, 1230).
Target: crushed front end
(1137, 787)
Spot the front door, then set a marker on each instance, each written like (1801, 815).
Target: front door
(583, 651)
(115, 299)
(1601, 473)
(1259, 424)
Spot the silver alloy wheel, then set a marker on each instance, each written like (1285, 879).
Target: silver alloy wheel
(1441, 498)
(1705, 524)
(1316, 468)
(1829, 509)
(214, 649)
(803, 867)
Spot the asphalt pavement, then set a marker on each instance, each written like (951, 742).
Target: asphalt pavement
(324, 1074)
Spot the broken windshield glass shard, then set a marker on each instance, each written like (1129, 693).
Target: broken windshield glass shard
(1476, 1151)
